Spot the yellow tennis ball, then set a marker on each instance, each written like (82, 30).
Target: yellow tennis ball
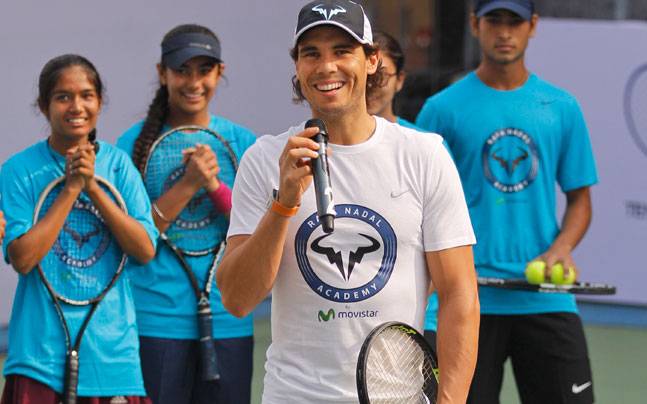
(570, 278)
(536, 272)
(557, 275)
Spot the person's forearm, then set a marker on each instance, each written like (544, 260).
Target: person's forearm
(576, 220)
(28, 250)
(171, 203)
(249, 268)
(129, 233)
(458, 330)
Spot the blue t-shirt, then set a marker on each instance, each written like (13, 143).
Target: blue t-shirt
(109, 353)
(511, 148)
(431, 320)
(164, 299)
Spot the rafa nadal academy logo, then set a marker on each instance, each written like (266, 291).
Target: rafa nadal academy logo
(510, 160)
(351, 264)
(83, 248)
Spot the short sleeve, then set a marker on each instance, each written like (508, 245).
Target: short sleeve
(137, 201)
(576, 166)
(429, 117)
(245, 139)
(126, 141)
(251, 193)
(18, 204)
(446, 221)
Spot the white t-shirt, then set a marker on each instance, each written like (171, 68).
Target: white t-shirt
(396, 195)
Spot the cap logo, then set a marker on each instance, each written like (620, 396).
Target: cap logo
(328, 14)
(200, 45)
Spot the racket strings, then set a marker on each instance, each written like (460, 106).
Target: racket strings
(398, 370)
(85, 256)
(198, 228)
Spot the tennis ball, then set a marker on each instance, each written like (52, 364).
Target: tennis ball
(536, 272)
(557, 275)
(570, 278)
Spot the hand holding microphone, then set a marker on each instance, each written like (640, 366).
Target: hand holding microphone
(321, 174)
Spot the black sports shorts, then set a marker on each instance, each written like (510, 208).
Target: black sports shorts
(549, 358)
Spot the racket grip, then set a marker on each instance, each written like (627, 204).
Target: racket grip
(71, 381)
(208, 359)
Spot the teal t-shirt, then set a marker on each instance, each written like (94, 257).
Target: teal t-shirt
(164, 299)
(511, 148)
(109, 353)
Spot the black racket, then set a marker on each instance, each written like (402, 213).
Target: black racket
(579, 288)
(199, 230)
(80, 268)
(396, 366)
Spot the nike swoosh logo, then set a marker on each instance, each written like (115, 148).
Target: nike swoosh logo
(578, 389)
(397, 194)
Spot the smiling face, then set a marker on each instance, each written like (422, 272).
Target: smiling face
(503, 35)
(192, 86)
(332, 69)
(73, 106)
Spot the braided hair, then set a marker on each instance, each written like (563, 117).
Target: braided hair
(50, 74)
(158, 109)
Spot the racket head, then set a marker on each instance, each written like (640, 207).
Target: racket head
(86, 259)
(578, 288)
(396, 365)
(199, 228)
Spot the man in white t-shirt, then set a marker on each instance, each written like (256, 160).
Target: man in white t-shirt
(401, 222)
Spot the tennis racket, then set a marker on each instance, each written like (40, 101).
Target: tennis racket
(199, 230)
(80, 268)
(396, 366)
(579, 288)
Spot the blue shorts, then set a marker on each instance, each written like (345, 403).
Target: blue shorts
(172, 371)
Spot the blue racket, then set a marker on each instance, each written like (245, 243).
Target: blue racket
(199, 230)
(80, 268)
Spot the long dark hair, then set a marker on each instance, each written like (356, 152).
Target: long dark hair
(390, 47)
(50, 74)
(159, 108)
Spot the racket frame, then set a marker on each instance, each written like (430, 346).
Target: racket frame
(361, 371)
(192, 128)
(208, 365)
(579, 288)
(71, 375)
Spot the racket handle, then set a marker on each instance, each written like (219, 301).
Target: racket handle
(71, 381)
(208, 360)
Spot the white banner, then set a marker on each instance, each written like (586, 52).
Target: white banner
(604, 64)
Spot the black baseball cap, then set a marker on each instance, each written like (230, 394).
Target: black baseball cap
(183, 47)
(523, 8)
(344, 14)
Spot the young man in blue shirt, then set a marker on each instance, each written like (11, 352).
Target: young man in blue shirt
(513, 136)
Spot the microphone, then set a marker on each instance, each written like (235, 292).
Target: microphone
(321, 174)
